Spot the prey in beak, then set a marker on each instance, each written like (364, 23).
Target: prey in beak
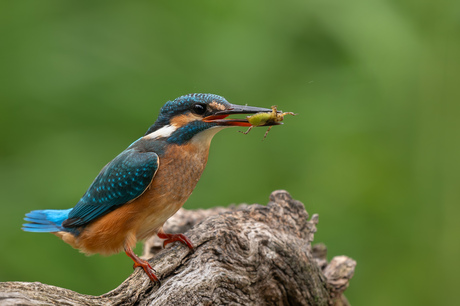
(220, 117)
(261, 117)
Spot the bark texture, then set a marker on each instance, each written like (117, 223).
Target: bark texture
(245, 255)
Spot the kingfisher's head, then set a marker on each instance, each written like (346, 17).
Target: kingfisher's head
(197, 116)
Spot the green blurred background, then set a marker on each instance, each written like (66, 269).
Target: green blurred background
(374, 149)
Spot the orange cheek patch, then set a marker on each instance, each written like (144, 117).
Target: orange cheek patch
(182, 120)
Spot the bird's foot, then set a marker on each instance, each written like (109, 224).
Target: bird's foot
(175, 237)
(148, 270)
(143, 264)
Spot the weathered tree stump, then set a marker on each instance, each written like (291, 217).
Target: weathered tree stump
(247, 255)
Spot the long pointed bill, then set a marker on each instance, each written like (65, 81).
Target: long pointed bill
(219, 116)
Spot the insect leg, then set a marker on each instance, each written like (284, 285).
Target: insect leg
(266, 133)
(250, 128)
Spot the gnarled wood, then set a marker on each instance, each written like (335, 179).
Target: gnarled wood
(249, 255)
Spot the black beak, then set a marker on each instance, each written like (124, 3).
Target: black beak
(242, 109)
(219, 116)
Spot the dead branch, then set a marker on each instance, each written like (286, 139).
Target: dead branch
(247, 254)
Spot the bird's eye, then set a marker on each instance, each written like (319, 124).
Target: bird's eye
(199, 108)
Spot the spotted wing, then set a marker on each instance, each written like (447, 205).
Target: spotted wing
(122, 180)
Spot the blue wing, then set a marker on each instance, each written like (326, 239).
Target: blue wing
(122, 180)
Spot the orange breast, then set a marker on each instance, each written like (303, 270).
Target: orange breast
(178, 172)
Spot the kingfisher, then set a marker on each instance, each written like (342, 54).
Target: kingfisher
(134, 194)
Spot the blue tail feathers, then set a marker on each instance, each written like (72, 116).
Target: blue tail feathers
(42, 221)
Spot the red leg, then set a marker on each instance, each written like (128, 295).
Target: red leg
(142, 263)
(174, 237)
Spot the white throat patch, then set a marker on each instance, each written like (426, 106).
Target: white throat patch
(203, 139)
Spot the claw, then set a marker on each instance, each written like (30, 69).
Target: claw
(175, 237)
(143, 264)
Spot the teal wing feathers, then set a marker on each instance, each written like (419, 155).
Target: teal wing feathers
(122, 180)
